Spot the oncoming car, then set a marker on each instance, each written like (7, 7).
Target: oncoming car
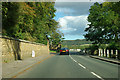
(64, 51)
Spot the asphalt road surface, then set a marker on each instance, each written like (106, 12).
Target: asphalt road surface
(74, 65)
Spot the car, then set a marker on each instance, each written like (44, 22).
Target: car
(64, 51)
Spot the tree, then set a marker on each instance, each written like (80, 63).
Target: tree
(104, 23)
(8, 20)
(31, 21)
(56, 40)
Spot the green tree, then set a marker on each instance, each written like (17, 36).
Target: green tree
(31, 21)
(9, 18)
(56, 40)
(104, 23)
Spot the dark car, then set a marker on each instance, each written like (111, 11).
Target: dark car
(64, 51)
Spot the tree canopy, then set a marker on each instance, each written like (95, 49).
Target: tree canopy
(31, 21)
(104, 27)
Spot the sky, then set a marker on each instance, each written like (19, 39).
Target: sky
(72, 17)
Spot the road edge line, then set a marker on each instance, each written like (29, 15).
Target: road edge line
(97, 76)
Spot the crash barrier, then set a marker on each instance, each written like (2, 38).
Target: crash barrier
(17, 49)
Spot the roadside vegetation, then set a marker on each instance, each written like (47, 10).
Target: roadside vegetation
(32, 21)
(104, 27)
(52, 51)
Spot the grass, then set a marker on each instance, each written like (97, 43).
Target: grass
(83, 46)
(52, 51)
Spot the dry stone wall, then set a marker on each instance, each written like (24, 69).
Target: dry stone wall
(16, 49)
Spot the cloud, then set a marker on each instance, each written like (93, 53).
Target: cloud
(72, 17)
(73, 25)
(73, 8)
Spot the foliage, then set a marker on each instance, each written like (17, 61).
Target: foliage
(92, 48)
(56, 40)
(31, 21)
(104, 24)
(52, 51)
(8, 20)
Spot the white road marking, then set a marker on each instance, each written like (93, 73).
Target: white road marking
(74, 60)
(82, 66)
(78, 63)
(97, 75)
(86, 68)
(70, 57)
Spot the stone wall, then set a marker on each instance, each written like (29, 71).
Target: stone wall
(16, 49)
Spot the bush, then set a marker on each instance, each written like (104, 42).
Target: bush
(92, 49)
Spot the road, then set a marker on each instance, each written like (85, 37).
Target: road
(73, 66)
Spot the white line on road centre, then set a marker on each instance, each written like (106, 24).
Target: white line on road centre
(77, 62)
(86, 68)
(81, 65)
(97, 76)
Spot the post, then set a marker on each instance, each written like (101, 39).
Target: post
(101, 52)
(112, 53)
(104, 53)
(116, 54)
(108, 53)
(33, 53)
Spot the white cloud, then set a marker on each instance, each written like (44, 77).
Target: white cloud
(72, 16)
(63, 22)
(73, 25)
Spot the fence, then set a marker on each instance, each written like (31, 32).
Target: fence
(108, 53)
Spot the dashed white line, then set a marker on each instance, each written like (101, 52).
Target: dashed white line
(81, 65)
(74, 60)
(86, 68)
(78, 63)
(97, 76)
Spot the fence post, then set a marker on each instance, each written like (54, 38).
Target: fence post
(108, 53)
(104, 53)
(116, 54)
(112, 53)
(99, 53)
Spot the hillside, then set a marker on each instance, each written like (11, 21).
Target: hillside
(73, 44)
(76, 42)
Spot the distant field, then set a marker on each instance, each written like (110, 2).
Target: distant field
(85, 45)
(76, 44)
